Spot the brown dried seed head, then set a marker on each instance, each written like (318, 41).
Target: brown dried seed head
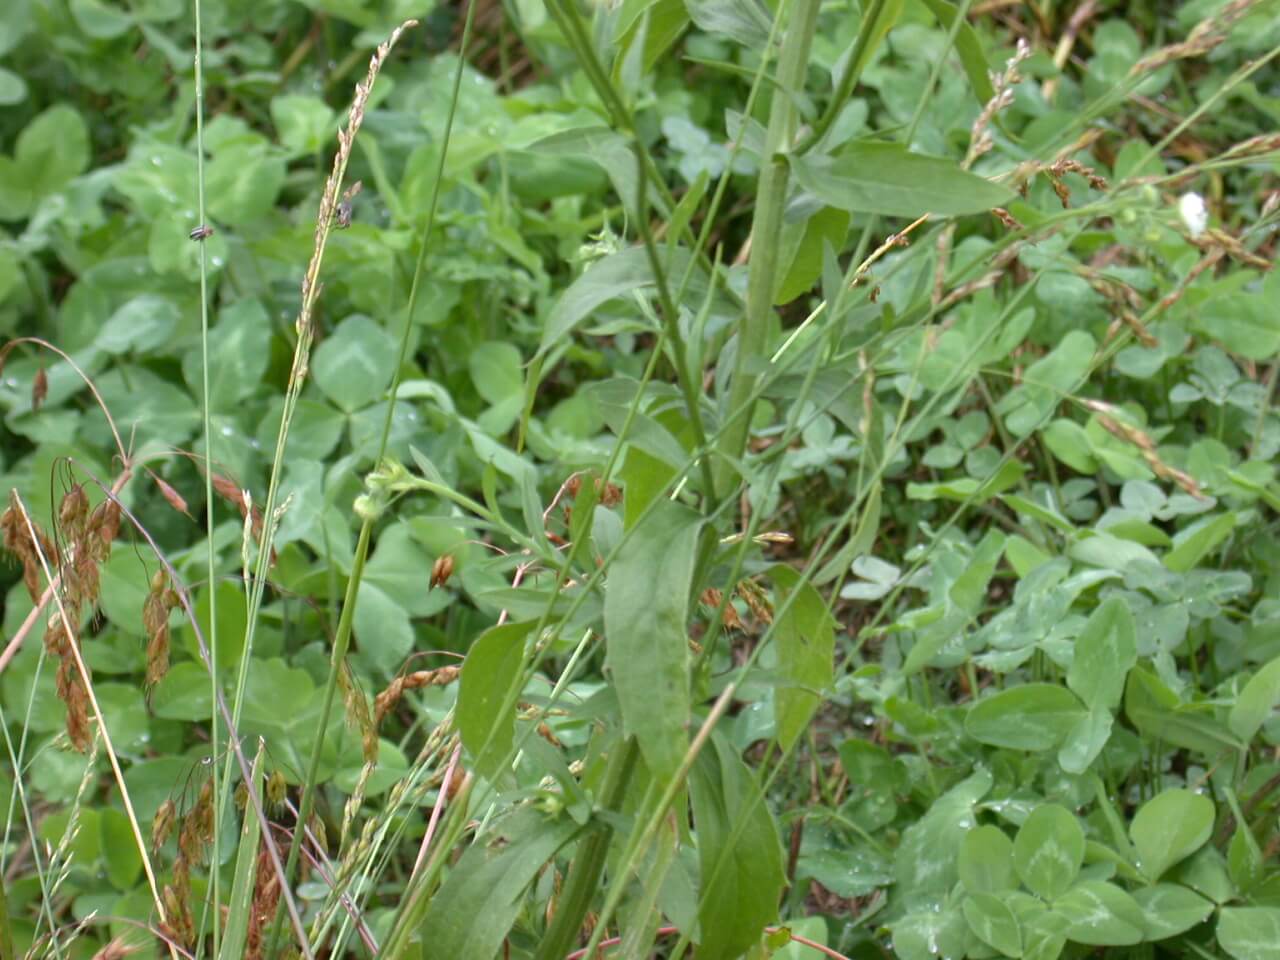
(442, 570)
(39, 388)
(227, 488)
(171, 496)
(74, 510)
(162, 824)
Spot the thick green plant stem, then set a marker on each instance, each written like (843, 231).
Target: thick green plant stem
(771, 196)
(583, 880)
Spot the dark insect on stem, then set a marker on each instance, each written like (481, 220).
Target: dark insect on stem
(202, 232)
(344, 205)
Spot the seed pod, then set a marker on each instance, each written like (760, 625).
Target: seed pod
(442, 570)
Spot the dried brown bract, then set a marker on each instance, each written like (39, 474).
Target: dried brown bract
(18, 541)
(161, 600)
(39, 388)
(162, 824)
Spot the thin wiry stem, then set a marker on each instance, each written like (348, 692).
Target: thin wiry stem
(211, 558)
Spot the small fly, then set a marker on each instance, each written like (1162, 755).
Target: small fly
(344, 206)
(202, 232)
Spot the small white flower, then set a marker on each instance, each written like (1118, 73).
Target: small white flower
(1193, 212)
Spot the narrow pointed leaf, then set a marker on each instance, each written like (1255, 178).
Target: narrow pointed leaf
(884, 178)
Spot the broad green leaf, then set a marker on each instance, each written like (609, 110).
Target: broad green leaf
(119, 848)
(98, 20)
(870, 766)
(739, 853)
(1243, 323)
(1170, 827)
(1101, 914)
(305, 124)
(491, 677)
(1043, 934)
(993, 922)
(1034, 716)
(986, 861)
(384, 634)
(1104, 652)
(1069, 442)
(183, 693)
(805, 635)
(1046, 383)
(1169, 909)
(1256, 701)
(243, 181)
(1245, 859)
(646, 605)
(1192, 545)
(495, 369)
(239, 908)
(473, 911)
(13, 89)
(52, 150)
(353, 365)
(930, 933)
(884, 178)
(644, 477)
(926, 861)
(239, 350)
(827, 226)
(744, 21)
(1049, 850)
(1250, 933)
(1085, 740)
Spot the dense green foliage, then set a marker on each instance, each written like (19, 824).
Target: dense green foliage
(669, 511)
